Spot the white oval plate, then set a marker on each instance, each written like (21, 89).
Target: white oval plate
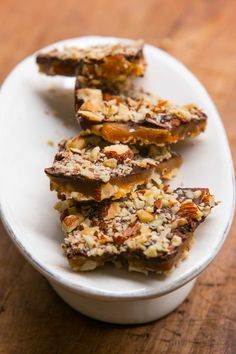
(35, 108)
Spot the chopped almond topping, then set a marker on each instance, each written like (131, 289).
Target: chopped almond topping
(77, 143)
(94, 155)
(119, 152)
(158, 203)
(133, 230)
(112, 211)
(90, 158)
(145, 216)
(110, 163)
(189, 209)
(71, 222)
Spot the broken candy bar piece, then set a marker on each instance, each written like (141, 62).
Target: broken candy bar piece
(148, 231)
(97, 65)
(87, 167)
(137, 117)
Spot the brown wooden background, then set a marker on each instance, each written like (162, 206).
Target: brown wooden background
(202, 34)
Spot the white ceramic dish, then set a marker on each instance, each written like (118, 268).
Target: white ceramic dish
(33, 110)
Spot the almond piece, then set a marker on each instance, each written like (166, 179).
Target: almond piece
(95, 117)
(94, 155)
(119, 152)
(110, 163)
(87, 94)
(112, 211)
(131, 230)
(71, 222)
(176, 241)
(158, 204)
(76, 143)
(145, 216)
(190, 210)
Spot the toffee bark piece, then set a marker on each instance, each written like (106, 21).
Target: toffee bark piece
(148, 231)
(90, 168)
(136, 117)
(96, 65)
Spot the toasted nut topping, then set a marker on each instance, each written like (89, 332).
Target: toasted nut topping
(113, 211)
(119, 152)
(138, 107)
(133, 227)
(190, 209)
(145, 216)
(91, 115)
(94, 154)
(91, 157)
(176, 241)
(77, 143)
(110, 163)
(197, 194)
(151, 251)
(71, 222)
(90, 106)
(158, 204)
(131, 230)
(87, 94)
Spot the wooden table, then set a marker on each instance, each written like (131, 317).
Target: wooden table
(202, 35)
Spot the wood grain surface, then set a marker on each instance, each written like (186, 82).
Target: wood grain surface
(202, 35)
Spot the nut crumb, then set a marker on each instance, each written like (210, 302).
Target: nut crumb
(50, 142)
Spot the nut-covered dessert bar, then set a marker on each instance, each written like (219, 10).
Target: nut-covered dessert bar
(88, 167)
(111, 63)
(148, 231)
(136, 117)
